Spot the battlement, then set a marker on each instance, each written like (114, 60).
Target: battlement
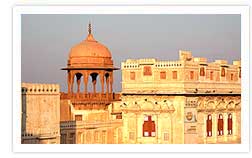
(37, 88)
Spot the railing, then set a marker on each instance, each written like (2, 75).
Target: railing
(91, 96)
(88, 124)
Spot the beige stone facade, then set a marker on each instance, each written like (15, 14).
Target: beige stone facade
(193, 88)
(40, 113)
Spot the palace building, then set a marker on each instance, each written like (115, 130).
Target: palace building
(188, 101)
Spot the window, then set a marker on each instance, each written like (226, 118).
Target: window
(239, 72)
(131, 135)
(191, 75)
(209, 125)
(211, 75)
(220, 125)
(118, 116)
(78, 117)
(163, 75)
(232, 77)
(202, 71)
(174, 75)
(230, 124)
(166, 136)
(223, 72)
(149, 129)
(147, 71)
(132, 76)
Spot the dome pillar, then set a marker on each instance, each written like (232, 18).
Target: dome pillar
(102, 80)
(111, 82)
(85, 80)
(107, 84)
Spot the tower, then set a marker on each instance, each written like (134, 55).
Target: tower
(87, 59)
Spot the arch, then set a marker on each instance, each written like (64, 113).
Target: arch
(147, 105)
(230, 124)
(210, 105)
(209, 125)
(220, 125)
(221, 105)
(230, 105)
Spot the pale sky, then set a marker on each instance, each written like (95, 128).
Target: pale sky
(47, 40)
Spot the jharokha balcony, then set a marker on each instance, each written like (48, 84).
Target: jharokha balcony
(91, 97)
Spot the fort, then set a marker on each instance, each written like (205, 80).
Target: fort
(188, 101)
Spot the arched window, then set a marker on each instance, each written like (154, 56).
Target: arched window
(220, 125)
(209, 125)
(230, 124)
(149, 129)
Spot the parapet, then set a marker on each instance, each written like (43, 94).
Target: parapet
(222, 62)
(237, 63)
(203, 60)
(185, 55)
(37, 88)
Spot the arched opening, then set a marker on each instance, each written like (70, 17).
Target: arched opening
(98, 84)
(220, 125)
(77, 78)
(106, 85)
(94, 81)
(230, 124)
(209, 125)
(149, 129)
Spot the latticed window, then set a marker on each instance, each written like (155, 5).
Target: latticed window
(209, 125)
(147, 71)
(230, 124)
(166, 136)
(223, 73)
(220, 125)
(232, 77)
(118, 116)
(163, 75)
(191, 75)
(132, 75)
(149, 129)
(131, 135)
(174, 75)
(202, 71)
(211, 75)
(78, 117)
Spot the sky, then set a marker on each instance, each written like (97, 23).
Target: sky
(46, 40)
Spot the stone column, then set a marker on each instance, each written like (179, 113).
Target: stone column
(225, 126)
(111, 82)
(214, 127)
(72, 81)
(69, 81)
(85, 81)
(107, 85)
(102, 81)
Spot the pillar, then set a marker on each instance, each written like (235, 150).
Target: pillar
(107, 85)
(85, 81)
(72, 81)
(69, 81)
(111, 82)
(102, 81)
